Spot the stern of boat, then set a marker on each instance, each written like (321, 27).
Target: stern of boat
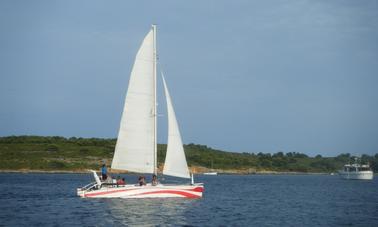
(80, 192)
(87, 188)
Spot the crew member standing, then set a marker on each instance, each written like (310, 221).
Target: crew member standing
(104, 172)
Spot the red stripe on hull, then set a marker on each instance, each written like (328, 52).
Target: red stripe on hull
(185, 194)
(197, 189)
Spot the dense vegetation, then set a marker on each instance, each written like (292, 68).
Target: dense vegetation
(59, 153)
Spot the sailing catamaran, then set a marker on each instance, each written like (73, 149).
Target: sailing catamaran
(136, 147)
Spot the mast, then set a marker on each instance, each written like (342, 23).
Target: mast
(155, 104)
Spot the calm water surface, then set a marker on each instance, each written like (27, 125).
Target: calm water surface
(255, 200)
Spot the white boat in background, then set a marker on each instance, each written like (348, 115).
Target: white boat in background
(211, 173)
(136, 148)
(356, 172)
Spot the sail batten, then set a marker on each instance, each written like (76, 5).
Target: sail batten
(175, 161)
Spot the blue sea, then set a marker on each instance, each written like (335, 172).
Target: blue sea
(229, 200)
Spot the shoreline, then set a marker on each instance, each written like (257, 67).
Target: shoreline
(227, 172)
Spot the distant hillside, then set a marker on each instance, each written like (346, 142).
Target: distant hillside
(78, 154)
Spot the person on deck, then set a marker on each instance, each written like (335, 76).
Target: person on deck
(104, 172)
(142, 180)
(154, 181)
(120, 181)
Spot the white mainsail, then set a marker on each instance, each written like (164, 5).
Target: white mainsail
(135, 148)
(175, 161)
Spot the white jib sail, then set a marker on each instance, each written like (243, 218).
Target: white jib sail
(175, 161)
(134, 150)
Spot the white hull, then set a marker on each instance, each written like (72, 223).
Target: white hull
(148, 191)
(361, 175)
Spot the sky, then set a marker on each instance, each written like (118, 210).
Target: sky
(244, 76)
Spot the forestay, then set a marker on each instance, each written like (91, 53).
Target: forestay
(175, 161)
(134, 150)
